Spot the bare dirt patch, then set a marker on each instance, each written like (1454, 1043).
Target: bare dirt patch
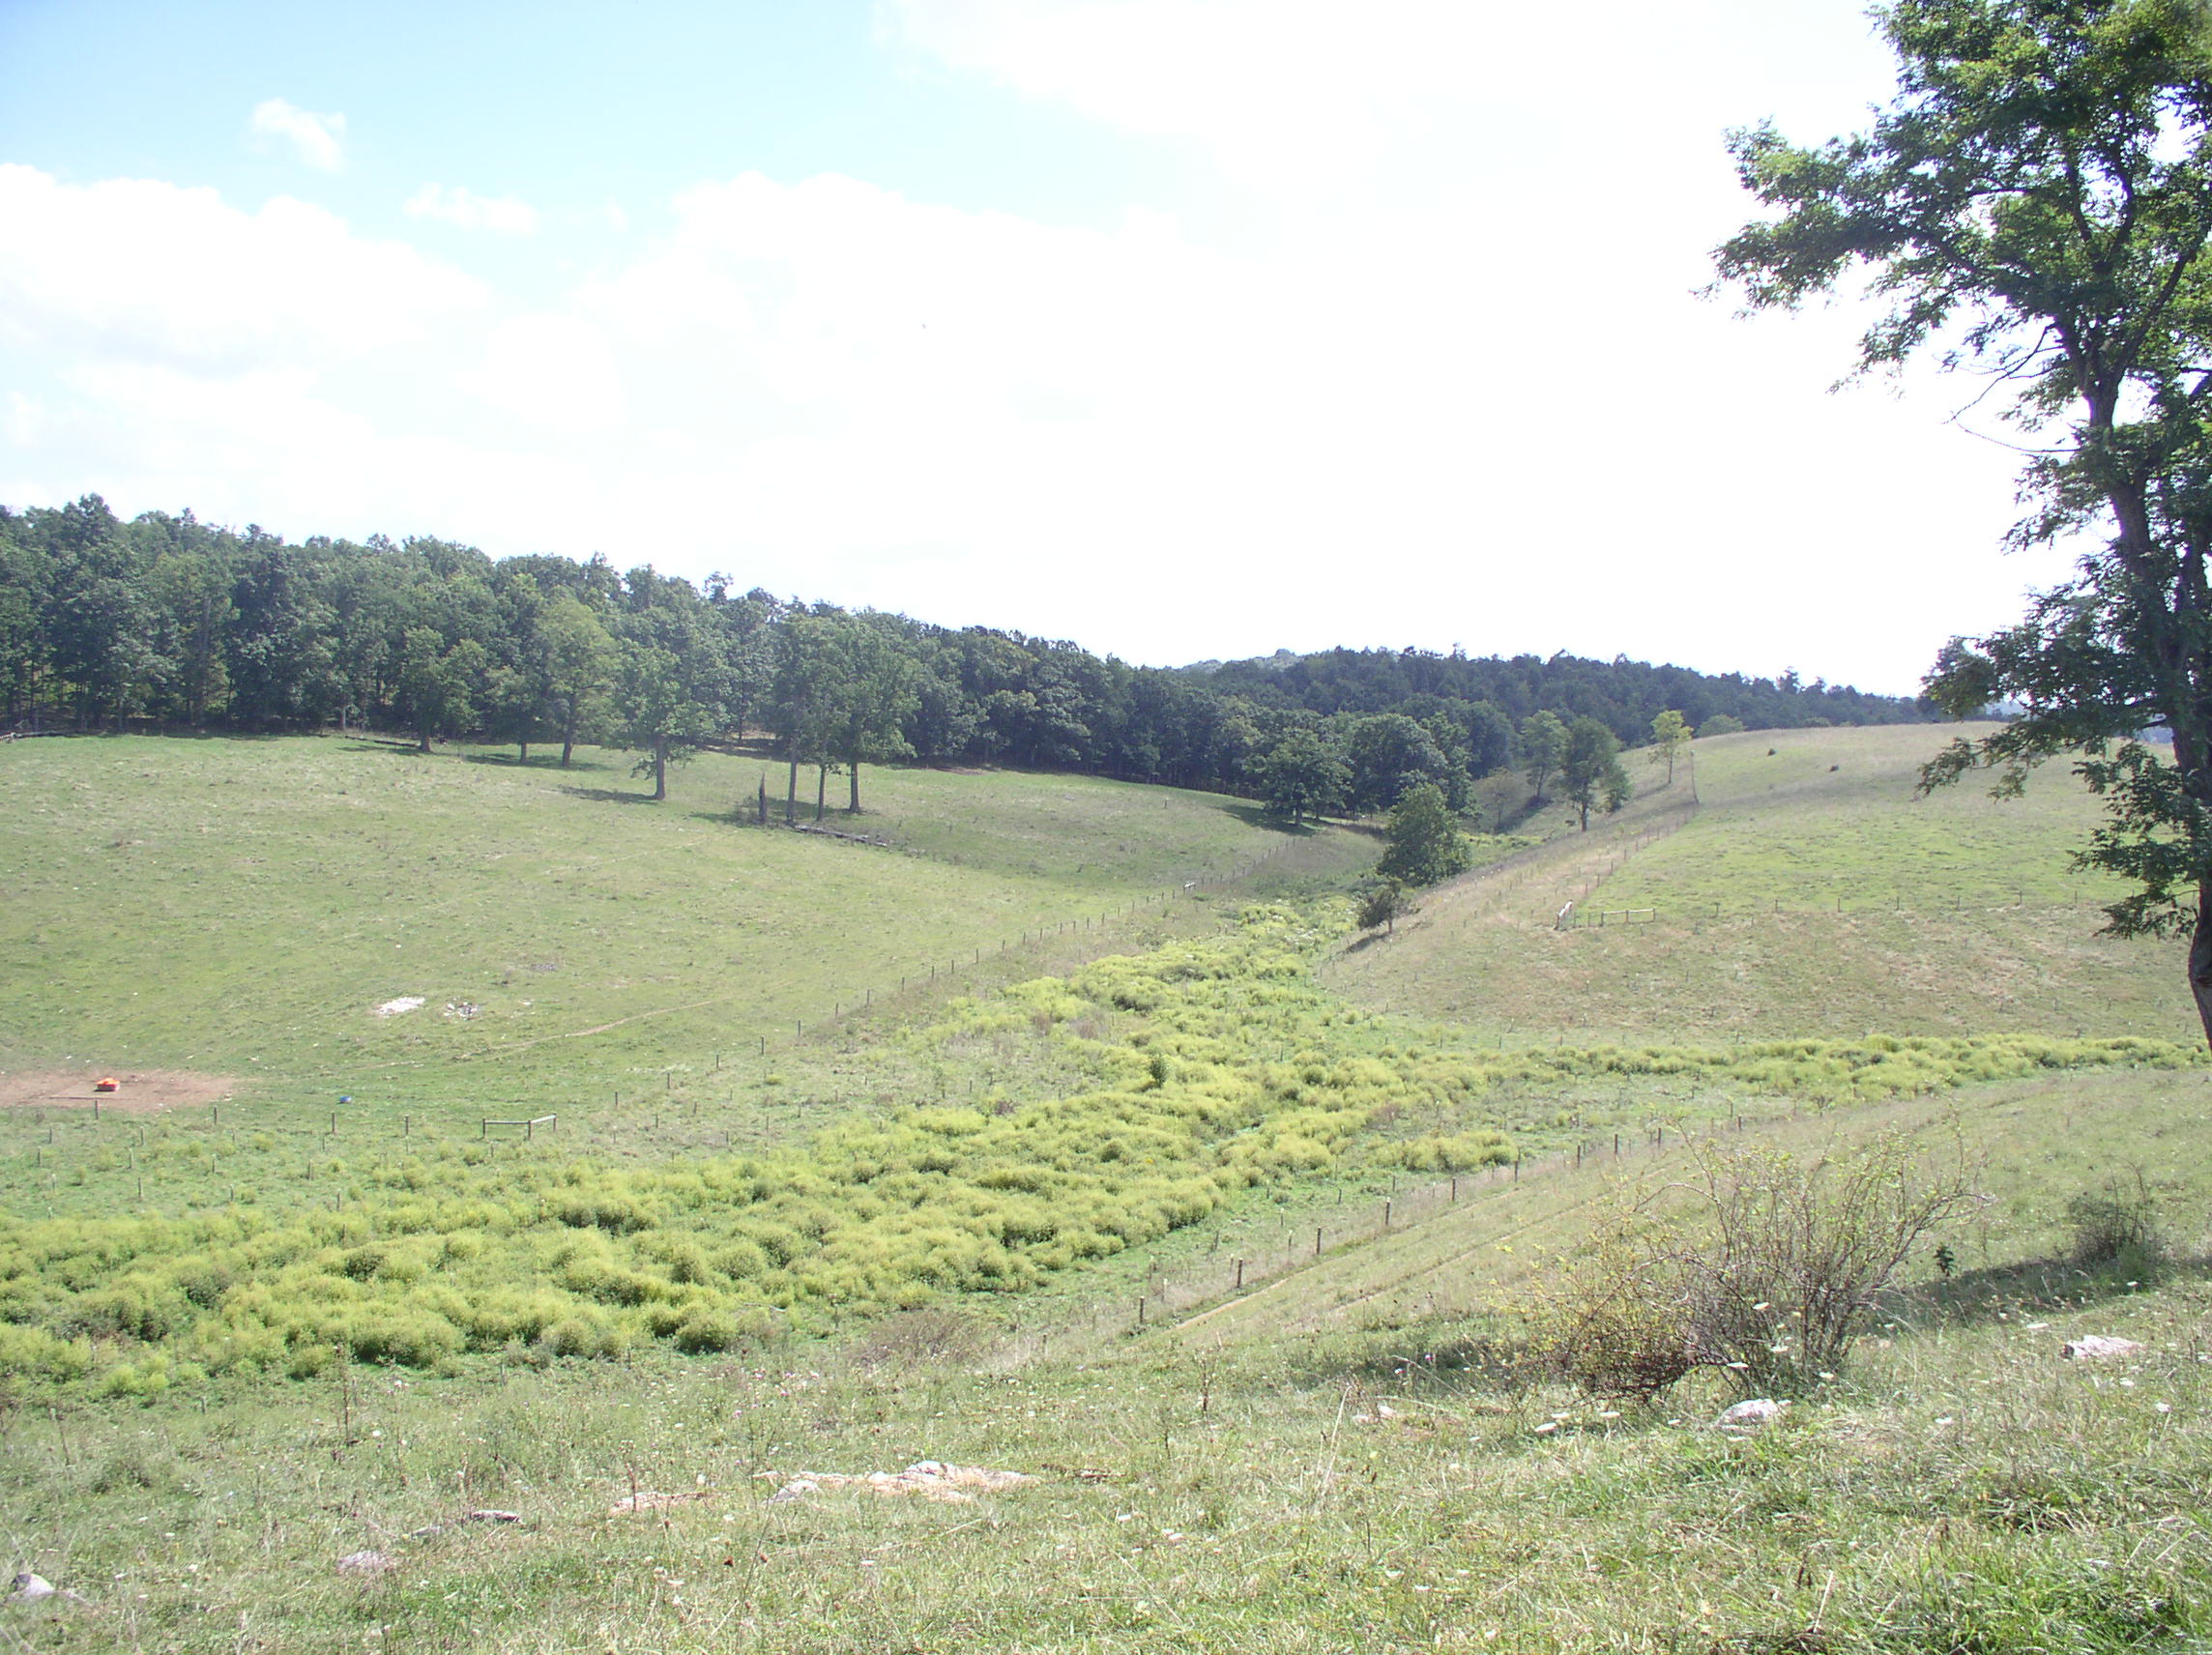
(139, 1091)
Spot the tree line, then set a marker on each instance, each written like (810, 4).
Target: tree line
(107, 623)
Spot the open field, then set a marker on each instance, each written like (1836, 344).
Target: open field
(246, 907)
(1310, 1483)
(1154, 1213)
(1809, 893)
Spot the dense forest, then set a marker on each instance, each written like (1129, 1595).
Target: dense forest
(169, 621)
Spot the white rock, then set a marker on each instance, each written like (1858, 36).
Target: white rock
(405, 1003)
(1755, 1411)
(366, 1563)
(37, 1589)
(2098, 1347)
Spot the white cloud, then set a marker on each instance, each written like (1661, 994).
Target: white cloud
(1419, 429)
(319, 140)
(229, 290)
(552, 371)
(461, 206)
(1393, 101)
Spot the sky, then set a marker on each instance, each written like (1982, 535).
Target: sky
(1183, 329)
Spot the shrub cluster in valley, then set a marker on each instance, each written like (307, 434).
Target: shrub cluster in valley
(1217, 1067)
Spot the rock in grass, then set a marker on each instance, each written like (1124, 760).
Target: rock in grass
(2098, 1347)
(1758, 1410)
(368, 1563)
(37, 1589)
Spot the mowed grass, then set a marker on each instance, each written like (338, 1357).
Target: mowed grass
(1811, 893)
(1313, 1482)
(243, 907)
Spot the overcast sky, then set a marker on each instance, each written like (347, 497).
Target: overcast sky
(1179, 328)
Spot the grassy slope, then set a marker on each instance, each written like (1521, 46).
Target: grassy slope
(240, 907)
(1961, 1489)
(1958, 913)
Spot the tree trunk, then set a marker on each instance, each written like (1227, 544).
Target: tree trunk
(853, 763)
(791, 790)
(660, 767)
(2201, 960)
(764, 798)
(821, 788)
(524, 747)
(425, 744)
(1586, 816)
(569, 734)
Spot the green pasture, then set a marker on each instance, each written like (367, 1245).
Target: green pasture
(1189, 1088)
(1202, 1212)
(241, 908)
(1811, 891)
(1315, 1470)
(1814, 819)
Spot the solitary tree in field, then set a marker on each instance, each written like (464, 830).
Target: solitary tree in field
(1669, 734)
(1426, 844)
(1591, 770)
(1543, 739)
(2037, 206)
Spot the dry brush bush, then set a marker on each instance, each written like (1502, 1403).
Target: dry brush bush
(1759, 1265)
(2116, 1226)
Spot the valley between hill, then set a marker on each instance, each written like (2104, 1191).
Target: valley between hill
(1220, 1222)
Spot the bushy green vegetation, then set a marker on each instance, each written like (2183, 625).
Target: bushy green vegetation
(1210, 1069)
(1305, 1488)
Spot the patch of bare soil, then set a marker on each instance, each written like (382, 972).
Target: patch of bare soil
(137, 1091)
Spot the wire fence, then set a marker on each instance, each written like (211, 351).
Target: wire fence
(1229, 1274)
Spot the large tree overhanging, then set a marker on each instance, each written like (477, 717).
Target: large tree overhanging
(2036, 207)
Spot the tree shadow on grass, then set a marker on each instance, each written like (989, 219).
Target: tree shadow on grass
(392, 746)
(610, 796)
(538, 762)
(2042, 1285)
(1259, 815)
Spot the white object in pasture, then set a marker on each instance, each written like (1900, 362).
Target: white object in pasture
(931, 1479)
(2098, 1347)
(406, 1003)
(1757, 1410)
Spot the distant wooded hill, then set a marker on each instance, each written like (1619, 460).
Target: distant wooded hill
(164, 618)
(1623, 694)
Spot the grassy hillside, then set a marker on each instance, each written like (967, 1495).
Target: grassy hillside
(1306, 1480)
(1158, 1213)
(1807, 892)
(244, 908)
